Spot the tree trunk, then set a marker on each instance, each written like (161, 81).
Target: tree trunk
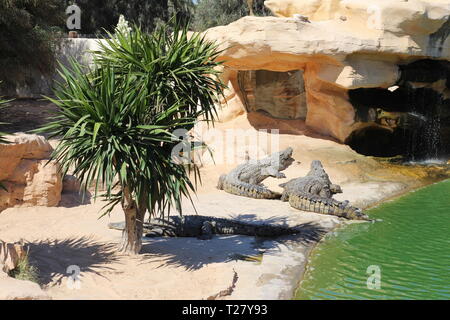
(134, 219)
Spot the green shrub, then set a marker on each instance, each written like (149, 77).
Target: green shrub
(212, 13)
(1, 133)
(100, 15)
(25, 271)
(28, 38)
(2, 140)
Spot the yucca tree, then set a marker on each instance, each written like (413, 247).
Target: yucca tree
(116, 122)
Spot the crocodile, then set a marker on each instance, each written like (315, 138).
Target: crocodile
(314, 193)
(203, 227)
(245, 180)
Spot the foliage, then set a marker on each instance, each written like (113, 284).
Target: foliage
(100, 15)
(28, 32)
(2, 140)
(211, 13)
(116, 122)
(122, 26)
(25, 271)
(1, 133)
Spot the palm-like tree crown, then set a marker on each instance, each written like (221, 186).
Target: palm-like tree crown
(116, 121)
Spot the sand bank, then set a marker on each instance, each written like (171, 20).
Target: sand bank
(226, 267)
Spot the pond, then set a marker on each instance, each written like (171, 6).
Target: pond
(405, 254)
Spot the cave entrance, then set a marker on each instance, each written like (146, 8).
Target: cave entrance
(410, 119)
(280, 95)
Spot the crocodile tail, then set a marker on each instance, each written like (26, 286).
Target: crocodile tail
(221, 182)
(250, 190)
(266, 230)
(326, 206)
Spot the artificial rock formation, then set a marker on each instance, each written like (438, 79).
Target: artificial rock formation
(337, 45)
(29, 179)
(14, 289)
(414, 17)
(10, 255)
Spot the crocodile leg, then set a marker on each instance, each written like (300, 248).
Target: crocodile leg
(251, 191)
(206, 231)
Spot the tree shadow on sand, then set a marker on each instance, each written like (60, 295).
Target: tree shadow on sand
(52, 257)
(193, 254)
(74, 199)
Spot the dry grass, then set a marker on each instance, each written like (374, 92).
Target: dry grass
(25, 271)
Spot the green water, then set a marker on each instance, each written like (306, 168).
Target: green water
(410, 246)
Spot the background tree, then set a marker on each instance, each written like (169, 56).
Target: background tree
(2, 140)
(211, 13)
(28, 38)
(104, 14)
(116, 122)
(100, 15)
(1, 133)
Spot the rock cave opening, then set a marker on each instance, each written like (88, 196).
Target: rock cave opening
(410, 119)
(280, 95)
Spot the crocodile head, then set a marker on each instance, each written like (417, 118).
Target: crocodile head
(335, 188)
(359, 215)
(285, 158)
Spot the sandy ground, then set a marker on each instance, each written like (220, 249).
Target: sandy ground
(169, 268)
(226, 267)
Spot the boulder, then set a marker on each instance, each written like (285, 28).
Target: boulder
(10, 255)
(357, 71)
(413, 17)
(71, 184)
(14, 289)
(26, 173)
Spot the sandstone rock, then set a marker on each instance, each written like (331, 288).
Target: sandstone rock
(71, 184)
(234, 108)
(358, 72)
(14, 289)
(35, 147)
(10, 255)
(46, 186)
(329, 111)
(335, 55)
(413, 17)
(314, 9)
(29, 178)
(283, 44)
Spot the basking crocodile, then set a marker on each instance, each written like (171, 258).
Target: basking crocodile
(204, 227)
(314, 192)
(245, 180)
